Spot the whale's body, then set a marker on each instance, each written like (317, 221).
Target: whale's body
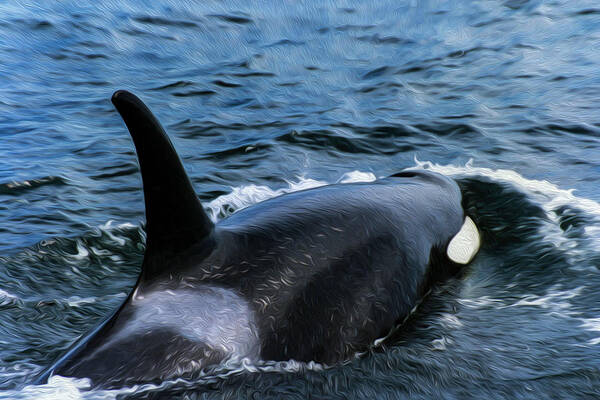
(314, 275)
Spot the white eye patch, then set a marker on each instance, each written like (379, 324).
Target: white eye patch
(463, 247)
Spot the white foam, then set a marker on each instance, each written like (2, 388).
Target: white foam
(213, 375)
(592, 325)
(83, 249)
(481, 302)
(244, 196)
(357, 176)
(555, 301)
(76, 301)
(108, 228)
(441, 343)
(7, 295)
(8, 298)
(81, 252)
(57, 388)
(450, 321)
(549, 195)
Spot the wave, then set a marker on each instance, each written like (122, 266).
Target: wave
(562, 208)
(16, 188)
(554, 300)
(244, 196)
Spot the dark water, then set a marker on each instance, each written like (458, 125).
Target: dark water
(265, 98)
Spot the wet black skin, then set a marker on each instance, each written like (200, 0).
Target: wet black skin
(323, 272)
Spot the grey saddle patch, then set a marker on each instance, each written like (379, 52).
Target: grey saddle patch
(215, 316)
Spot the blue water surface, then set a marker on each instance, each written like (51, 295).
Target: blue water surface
(501, 95)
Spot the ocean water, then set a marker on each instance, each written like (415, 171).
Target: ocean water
(260, 99)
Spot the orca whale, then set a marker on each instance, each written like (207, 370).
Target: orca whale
(313, 275)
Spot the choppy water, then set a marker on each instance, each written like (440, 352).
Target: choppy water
(264, 98)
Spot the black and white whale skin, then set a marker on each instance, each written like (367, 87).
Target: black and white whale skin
(314, 275)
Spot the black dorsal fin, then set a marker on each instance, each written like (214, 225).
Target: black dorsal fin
(175, 218)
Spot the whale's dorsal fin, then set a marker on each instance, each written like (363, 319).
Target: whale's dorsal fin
(175, 218)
